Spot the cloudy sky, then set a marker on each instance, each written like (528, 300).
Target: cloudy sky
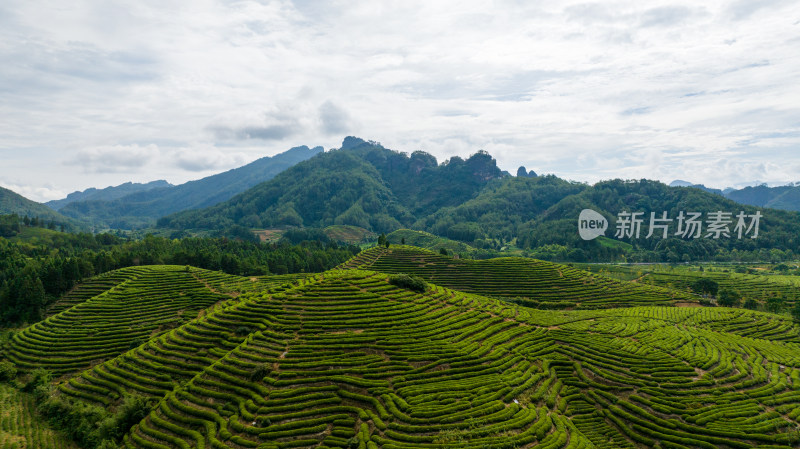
(96, 92)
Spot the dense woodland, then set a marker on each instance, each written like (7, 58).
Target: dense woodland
(34, 274)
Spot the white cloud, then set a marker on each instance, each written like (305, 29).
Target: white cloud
(585, 90)
(115, 158)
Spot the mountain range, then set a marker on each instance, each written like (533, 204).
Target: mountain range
(130, 206)
(780, 197)
(470, 200)
(107, 194)
(473, 201)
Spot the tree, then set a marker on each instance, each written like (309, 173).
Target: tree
(382, 239)
(402, 240)
(751, 304)
(775, 304)
(796, 311)
(705, 286)
(728, 297)
(443, 251)
(8, 371)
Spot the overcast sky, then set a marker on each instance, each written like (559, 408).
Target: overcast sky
(96, 92)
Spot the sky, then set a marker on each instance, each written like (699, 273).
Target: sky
(96, 93)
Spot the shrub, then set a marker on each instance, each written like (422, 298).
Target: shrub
(107, 444)
(8, 371)
(243, 331)
(704, 286)
(728, 297)
(260, 372)
(134, 408)
(775, 304)
(38, 377)
(410, 282)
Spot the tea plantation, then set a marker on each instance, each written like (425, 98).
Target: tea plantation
(346, 359)
(758, 287)
(529, 282)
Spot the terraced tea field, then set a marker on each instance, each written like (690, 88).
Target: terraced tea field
(92, 287)
(345, 359)
(758, 287)
(530, 282)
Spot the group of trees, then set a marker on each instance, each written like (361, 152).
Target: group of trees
(32, 276)
(12, 224)
(729, 297)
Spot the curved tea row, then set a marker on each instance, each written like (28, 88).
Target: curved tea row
(153, 299)
(345, 359)
(532, 282)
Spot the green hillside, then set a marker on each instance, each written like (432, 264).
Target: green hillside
(780, 197)
(526, 281)
(346, 359)
(13, 203)
(427, 240)
(362, 184)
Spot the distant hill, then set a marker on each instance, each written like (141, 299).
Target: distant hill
(362, 184)
(14, 203)
(680, 183)
(141, 209)
(472, 201)
(107, 194)
(779, 197)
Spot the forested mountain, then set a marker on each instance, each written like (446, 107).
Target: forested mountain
(141, 209)
(779, 231)
(13, 203)
(364, 184)
(107, 194)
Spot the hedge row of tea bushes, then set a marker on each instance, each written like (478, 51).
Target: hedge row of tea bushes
(346, 359)
(90, 288)
(349, 360)
(151, 300)
(527, 282)
(749, 286)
